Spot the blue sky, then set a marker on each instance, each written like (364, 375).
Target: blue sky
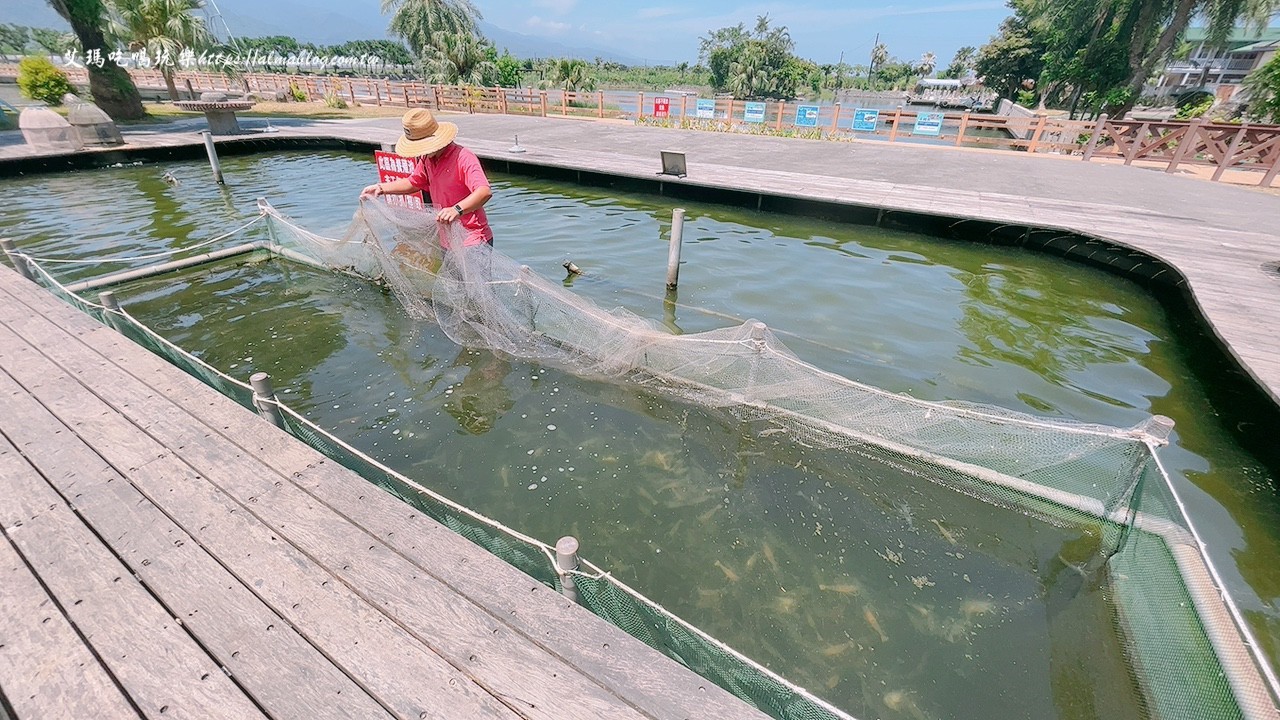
(661, 30)
(656, 31)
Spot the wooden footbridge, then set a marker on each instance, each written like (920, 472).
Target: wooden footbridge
(167, 554)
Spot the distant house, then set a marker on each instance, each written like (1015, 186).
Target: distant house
(1219, 69)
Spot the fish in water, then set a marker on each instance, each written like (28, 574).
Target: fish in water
(950, 536)
(768, 555)
(728, 571)
(842, 588)
(870, 616)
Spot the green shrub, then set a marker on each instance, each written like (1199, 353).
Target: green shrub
(334, 100)
(297, 93)
(1194, 109)
(38, 79)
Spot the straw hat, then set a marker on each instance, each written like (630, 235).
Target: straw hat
(423, 135)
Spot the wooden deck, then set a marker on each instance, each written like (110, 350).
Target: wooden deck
(167, 553)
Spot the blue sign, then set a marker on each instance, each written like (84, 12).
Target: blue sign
(707, 109)
(866, 120)
(807, 116)
(928, 123)
(753, 112)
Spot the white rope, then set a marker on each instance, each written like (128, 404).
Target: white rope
(136, 258)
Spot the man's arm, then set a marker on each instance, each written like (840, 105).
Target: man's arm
(395, 187)
(470, 203)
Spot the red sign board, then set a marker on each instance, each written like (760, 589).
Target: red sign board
(392, 167)
(661, 107)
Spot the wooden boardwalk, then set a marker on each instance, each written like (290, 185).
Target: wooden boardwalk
(166, 553)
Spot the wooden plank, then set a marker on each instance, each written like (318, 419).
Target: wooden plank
(141, 644)
(46, 669)
(468, 636)
(282, 672)
(633, 670)
(373, 649)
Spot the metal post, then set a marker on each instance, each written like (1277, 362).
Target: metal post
(213, 156)
(264, 398)
(1098, 129)
(566, 563)
(19, 263)
(673, 250)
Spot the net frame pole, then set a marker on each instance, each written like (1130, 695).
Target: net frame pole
(212, 152)
(673, 250)
(566, 565)
(264, 398)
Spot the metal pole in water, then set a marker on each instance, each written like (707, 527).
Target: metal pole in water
(673, 252)
(213, 156)
(566, 563)
(19, 263)
(264, 398)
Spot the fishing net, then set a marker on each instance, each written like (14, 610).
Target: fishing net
(1189, 652)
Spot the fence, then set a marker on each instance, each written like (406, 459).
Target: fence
(1223, 146)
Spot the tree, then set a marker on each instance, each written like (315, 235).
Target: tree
(111, 87)
(14, 38)
(508, 67)
(927, 63)
(961, 63)
(458, 58)
(1263, 86)
(53, 42)
(756, 63)
(161, 28)
(1014, 55)
(420, 22)
(572, 75)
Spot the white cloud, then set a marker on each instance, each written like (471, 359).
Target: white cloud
(546, 27)
(557, 7)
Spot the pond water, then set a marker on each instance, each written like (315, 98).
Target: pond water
(885, 594)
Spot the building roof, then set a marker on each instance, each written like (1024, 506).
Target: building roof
(1239, 38)
(1260, 46)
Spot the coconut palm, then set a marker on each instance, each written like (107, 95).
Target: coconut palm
(161, 28)
(879, 55)
(458, 58)
(112, 88)
(749, 75)
(928, 62)
(418, 21)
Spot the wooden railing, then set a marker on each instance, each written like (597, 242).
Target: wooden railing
(1172, 144)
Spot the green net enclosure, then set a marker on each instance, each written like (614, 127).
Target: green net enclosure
(1100, 524)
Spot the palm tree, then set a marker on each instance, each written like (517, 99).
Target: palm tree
(458, 58)
(749, 75)
(111, 87)
(161, 28)
(928, 62)
(418, 21)
(572, 75)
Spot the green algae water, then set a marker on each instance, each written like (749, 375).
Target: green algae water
(886, 594)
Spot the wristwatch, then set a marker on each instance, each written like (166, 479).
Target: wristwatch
(458, 207)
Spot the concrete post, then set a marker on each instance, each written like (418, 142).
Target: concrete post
(213, 156)
(673, 250)
(264, 398)
(566, 563)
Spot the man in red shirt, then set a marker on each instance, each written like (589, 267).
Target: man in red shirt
(450, 173)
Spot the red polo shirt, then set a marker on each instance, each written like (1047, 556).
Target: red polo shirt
(449, 178)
